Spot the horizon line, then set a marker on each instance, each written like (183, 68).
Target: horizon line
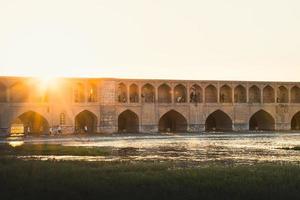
(141, 79)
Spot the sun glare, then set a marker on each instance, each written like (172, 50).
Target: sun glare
(46, 82)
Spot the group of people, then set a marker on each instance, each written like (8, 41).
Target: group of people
(122, 98)
(83, 129)
(134, 98)
(222, 98)
(52, 130)
(58, 130)
(180, 99)
(55, 130)
(148, 97)
(195, 97)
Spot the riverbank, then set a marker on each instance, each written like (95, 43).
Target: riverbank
(34, 179)
(156, 167)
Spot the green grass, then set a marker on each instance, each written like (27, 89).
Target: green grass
(54, 149)
(34, 179)
(296, 148)
(126, 180)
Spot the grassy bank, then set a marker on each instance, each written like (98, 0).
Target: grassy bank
(296, 148)
(54, 149)
(87, 180)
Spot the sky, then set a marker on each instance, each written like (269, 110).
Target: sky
(255, 40)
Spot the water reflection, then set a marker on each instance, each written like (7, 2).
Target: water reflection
(225, 148)
(15, 140)
(16, 143)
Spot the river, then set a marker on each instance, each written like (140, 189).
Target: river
(236, 148)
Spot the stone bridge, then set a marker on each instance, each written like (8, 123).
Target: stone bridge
(108, 105)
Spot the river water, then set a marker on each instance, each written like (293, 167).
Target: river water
(236, 148)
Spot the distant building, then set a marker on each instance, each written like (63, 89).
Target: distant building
(107, 105)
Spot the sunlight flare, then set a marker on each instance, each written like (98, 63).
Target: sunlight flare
(46, 82)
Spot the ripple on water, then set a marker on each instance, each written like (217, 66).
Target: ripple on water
(233, 147)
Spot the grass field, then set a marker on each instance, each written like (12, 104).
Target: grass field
(54, 149)
(34, 179)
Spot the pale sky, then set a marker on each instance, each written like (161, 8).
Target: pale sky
(163, 39)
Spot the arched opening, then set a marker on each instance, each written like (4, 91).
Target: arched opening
(30, 123)
(295, 94)
(262, 121)
(211, 94)
(134, 93)
(173, 122)
(196, 94)
(148, 93)
(122, 93)
(225, 94)
(164, 94)
(180, 94)
(218, 121)
(86, 122)
(128, 122)
(240, 95)
(282, 95)
(79, 96)
(295, 123)
(92, 92)
(19, 93)
(3, 93)
(254, 94)
(268, 94)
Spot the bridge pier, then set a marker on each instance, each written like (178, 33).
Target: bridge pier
(283, 126)
(240, 126)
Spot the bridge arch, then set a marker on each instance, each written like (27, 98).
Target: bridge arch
(148, 93)
(85, 119)
(30, 122)
(254, 94)
(295, 122)
(240, 94)
(262, 120)
(122, 93)
(196, 94)
(225, 94)
(211, 94)
(134, 93)
(180, 94)
(172, 121)
(79, 93)
(268, 94)
(295, 94)
(282, 95)
(128, 122)
(92, 92)
(218, 121)
(164, 93)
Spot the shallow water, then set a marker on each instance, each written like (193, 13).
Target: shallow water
(236, 148)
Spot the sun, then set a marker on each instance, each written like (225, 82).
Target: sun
(46, 82)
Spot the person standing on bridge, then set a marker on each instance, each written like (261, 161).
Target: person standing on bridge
(28, 130)
(59, 129)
